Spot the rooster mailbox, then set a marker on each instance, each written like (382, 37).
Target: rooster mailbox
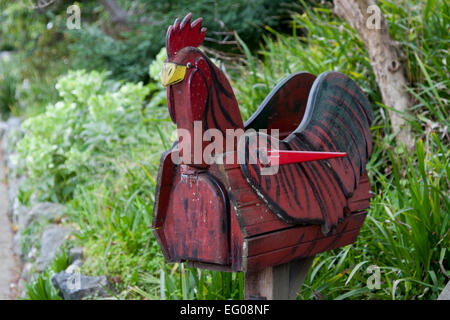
(230, 215)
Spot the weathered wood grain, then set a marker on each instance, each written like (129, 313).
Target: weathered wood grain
(281, 282)
(296, 235)
(302, 250)
(230, 217)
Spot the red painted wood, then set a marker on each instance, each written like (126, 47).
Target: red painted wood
(256, 218)
(237, 240)
(196, 224)
(302, 250)
(284, 107)
(166, 175)
(230, 217)
(293, 236)
(280, 157)
(184, 34)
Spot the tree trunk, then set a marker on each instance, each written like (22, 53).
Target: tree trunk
(119, 17)
(368, 20)
(115, 12)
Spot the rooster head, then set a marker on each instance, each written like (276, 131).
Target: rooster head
(197, 91)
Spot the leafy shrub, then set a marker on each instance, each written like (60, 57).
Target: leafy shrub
(127, 59)
(128, 56)
(42, 288)
(95, 118)
(405, 235)
(8, 86)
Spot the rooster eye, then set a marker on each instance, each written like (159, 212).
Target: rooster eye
(188, 65)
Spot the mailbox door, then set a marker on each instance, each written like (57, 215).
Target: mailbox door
(196, 227)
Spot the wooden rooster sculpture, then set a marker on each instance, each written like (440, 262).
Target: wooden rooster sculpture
(228, 215)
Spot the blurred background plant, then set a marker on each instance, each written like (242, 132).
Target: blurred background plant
(8, 88)
(94, 135)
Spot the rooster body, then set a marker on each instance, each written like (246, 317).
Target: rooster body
(232, 217)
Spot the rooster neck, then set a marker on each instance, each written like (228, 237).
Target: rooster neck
(221, 109)
(205, 107)
(205, 96)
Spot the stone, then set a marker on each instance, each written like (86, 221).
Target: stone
(76, 254)
(42, 211)
(11, 164)
(445, 294)
(11, 132)
(27, 271)
(52, 238)
(21, 289)
(19, 214)
(3, 128)
(76, 265)
(17, 245)
(13, 188)
(32, 254)
(14, 123)
(17, 211)
(76, 286)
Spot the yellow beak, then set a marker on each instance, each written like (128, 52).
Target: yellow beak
(172, 73)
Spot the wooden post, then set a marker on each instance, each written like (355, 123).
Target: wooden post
(281, 282)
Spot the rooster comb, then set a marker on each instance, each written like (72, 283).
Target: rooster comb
(184, 34)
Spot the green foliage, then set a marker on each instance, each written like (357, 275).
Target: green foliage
(406, 235)
(42, 288)
(8, 87)
(94, 118)
(128, 51)
(46, 48)
(97, 149)
(178, 282)
(325, 44)
(246, 17)
(61, 262)
(127, 59)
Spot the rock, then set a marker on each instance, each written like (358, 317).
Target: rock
(14, 123)
(445, 294)
(11, 137)
(76, 254)
(31, 256)
(3, 128)
(27, 271)
(11, 164)
(16, 209)
(17, 245)
(52, 239)
(76, 286)
(18, 214)
(13, 188)
(21, 288)
(76, 265)
(11, 133)
(42, 211)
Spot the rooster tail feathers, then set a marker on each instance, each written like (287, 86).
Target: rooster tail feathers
(339, 111)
